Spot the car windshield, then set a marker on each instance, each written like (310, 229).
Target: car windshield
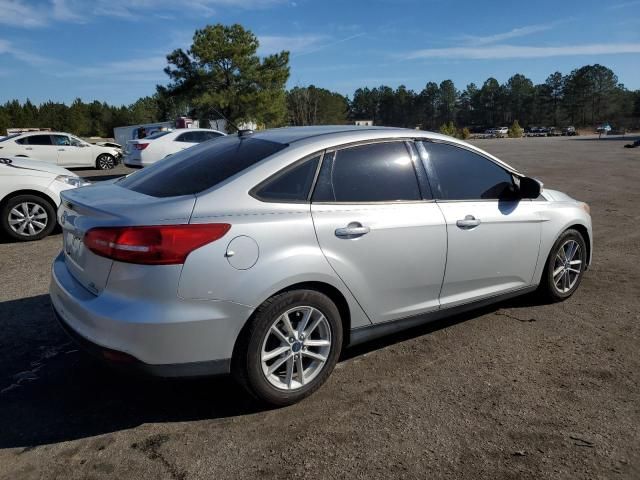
(200, 167)
(14, 135)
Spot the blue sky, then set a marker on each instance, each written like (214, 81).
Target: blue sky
(114, 50)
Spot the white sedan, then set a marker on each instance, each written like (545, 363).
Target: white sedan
(59, 148)
(29, 196)
(145, 151)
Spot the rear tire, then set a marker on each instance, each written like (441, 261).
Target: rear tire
(105, 162)
(281, 362)
(27, 217)
(565, 267)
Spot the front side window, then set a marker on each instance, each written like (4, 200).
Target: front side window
(39, 140)
(377, 172)
(200, 167)
(459, 174)
(291, 185)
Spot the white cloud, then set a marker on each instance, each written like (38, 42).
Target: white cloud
(514, 51)
(514, 33)
(24, 56)
(21, 13)
(295, 44)
(18, 14)
(623, 5)
(146, 67)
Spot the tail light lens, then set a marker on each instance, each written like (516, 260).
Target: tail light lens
(140, 146)
(152, 245)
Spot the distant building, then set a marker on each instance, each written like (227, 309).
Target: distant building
(364, 123)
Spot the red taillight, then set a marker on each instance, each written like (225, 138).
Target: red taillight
(152, 245)
(140, 146)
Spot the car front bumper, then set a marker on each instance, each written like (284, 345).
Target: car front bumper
(176, 338)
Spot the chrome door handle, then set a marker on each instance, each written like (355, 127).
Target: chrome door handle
(28, 148)
(354, 229)
(468, 222)
(61, 150)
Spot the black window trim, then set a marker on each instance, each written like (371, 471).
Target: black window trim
(254, 191)
(414, 158)
(436, 192)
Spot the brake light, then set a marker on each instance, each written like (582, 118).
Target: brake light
(140, 146)
(152, 245)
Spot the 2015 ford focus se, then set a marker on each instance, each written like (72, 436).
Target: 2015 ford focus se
(265, 254)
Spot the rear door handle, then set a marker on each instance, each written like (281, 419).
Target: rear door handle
(468, 222)
(353, 230)
(61, 150)
(28, 148)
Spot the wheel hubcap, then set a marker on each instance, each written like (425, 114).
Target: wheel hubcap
(296, 348)
(567, 266)
(28, 219)
(106, 163)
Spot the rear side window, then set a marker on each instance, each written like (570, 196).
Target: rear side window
(39, 140)
(200, 167)
(291, 185)
(379, 172)
(189, 137)
(458, 174)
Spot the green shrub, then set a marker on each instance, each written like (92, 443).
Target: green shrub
(448, 129)
(464, 133)
(515, 130)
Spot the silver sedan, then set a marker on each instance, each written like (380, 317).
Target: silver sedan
(265, 254)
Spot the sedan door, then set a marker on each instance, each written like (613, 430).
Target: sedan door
(40, 147)
(380, 230)
(72, 152)
(493, 237)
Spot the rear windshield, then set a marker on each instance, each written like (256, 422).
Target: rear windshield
(200, 167)
(14, 135)
(156, 135)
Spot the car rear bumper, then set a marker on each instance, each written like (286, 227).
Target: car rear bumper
(175, 338)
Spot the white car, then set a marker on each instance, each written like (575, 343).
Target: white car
(59, 148)
(145, 151)
(29, 196)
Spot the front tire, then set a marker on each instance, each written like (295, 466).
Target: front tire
(290, 347)
(105, 162)
(27, 217)
(565, 267)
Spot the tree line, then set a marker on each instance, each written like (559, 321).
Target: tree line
(222, 76)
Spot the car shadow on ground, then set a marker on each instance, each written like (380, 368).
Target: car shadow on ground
(51, 392)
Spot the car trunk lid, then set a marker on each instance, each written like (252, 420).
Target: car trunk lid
(109, 205)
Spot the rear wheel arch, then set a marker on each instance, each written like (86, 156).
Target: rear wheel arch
(329, 290)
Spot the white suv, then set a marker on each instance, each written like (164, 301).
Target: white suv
(59, 148)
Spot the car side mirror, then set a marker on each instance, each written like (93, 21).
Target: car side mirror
(529, 188)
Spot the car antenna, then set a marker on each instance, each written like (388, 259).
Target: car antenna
(241, 133)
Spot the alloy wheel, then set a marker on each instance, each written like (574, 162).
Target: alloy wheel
(296, 348)
(105, 162)
(28, 219)
(567, 266)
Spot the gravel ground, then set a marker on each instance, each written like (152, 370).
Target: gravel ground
(518, 390)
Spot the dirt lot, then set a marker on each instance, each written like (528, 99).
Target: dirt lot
(514, 391)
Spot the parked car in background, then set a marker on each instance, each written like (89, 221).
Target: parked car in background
(501, 132)
(605, 128)
(59, 148)
(146, 151)
(29, 196)
(569, 131)
(258, 254)
(117, 146)
(554, 132)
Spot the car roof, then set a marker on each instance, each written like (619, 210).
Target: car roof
(324, 137)
(45, 132)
